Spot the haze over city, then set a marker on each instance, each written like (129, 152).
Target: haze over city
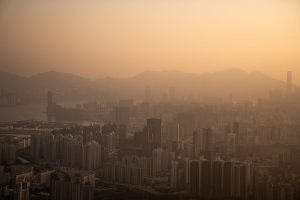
(122, 38)
(150, 100)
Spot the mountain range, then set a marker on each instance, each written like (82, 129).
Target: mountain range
(238, 83)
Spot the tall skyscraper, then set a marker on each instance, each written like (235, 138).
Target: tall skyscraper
(153, 130)
(205, 178)
(161, 161)
(289, 82)
(228, 179)
(197, 140)
(174, 174)
(179, 176)
(240, 181)
(194, 177)
(92, 155)
(109, 141)
(217, 179)
(202, 142)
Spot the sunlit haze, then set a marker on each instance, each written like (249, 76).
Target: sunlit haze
(150, 99)
(122, 38)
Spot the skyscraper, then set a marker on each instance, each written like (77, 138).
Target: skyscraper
(153, 130)
(228, 178)
(109, 141)
(217, 179)
(205, 178)
(161, 160)
(240, 181)
(197, 140)
(92, 155)
(179, 176)
(194, 177)
(202, 142)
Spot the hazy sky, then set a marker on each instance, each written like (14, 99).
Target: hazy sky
(124, 37)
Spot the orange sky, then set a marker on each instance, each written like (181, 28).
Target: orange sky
(124, 37)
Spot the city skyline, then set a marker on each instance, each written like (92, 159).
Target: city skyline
(157, 99)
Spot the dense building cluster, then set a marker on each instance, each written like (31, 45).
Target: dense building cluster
(72, 186)
(236, 150)
(66, 150)
(9, 145)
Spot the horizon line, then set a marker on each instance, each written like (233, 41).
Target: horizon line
(139, 73)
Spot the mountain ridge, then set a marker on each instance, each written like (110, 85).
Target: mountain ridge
(53, 72)
(242, 84)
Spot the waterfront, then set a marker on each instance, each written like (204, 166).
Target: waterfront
(23, 112)
(36, 112)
